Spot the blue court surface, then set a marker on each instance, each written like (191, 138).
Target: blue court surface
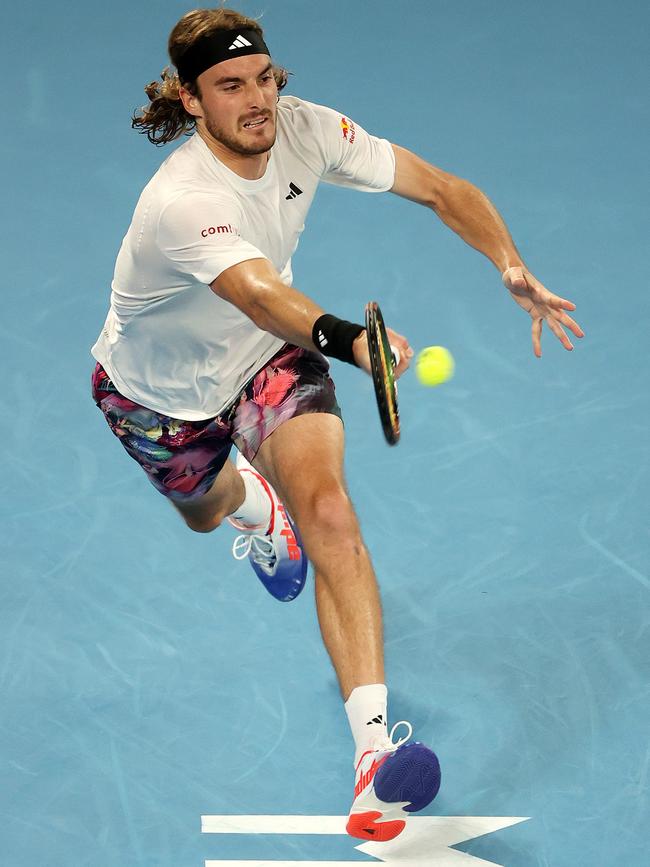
(157, 704)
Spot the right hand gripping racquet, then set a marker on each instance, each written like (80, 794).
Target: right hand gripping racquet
(382, 364)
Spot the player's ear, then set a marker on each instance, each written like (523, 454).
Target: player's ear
(191, 103)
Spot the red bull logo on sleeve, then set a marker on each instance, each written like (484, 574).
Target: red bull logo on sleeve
(348, 129)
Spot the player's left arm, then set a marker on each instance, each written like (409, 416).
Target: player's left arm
(469, 212)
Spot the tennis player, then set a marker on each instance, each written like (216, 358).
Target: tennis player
(207, 343)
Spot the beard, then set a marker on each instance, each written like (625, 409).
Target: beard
(236, 144)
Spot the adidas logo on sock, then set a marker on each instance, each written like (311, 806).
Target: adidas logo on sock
(240, 42)
(378, 719)
(322, 340)
(294, 191)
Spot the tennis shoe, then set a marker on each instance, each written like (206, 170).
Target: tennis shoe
(276, 555)
(392, 780)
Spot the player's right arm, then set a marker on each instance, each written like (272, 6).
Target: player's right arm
(255, 288)
(199, 233)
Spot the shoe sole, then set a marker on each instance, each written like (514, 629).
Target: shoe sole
(406, 782)
(288, 582)
(412, 774)
(365, 826)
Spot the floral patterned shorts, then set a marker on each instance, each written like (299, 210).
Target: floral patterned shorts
(183, 458)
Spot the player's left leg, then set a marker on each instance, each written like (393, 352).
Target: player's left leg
(303, 459)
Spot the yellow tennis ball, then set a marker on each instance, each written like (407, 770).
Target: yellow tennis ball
(434, 365)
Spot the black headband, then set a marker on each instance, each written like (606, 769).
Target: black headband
(217, 47)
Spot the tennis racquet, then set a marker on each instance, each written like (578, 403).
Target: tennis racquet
(383, 360)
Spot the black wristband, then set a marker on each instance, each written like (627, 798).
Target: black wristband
(334, 337)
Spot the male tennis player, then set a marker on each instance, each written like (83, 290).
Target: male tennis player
(208, 343)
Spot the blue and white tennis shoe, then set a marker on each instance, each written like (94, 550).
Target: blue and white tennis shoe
(277, 555)
(392, 780)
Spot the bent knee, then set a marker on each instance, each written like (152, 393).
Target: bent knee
(202, 526)
(201, 521)
(331, 511)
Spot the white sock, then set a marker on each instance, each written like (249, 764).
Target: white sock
(255, 511)
(366, 710)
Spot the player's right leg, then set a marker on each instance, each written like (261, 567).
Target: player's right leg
(205, 513)
(186, 461)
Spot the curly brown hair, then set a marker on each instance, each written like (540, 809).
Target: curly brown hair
(165, 118)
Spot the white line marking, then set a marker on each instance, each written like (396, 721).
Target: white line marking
(425, 840)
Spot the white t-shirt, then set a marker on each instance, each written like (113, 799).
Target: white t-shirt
(169, 342)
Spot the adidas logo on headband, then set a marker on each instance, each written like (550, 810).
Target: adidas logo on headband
(240, 42)
(216, 47)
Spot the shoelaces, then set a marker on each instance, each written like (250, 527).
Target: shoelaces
(387, 742)
(259, 547)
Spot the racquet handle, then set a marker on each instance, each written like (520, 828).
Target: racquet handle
(396, 355)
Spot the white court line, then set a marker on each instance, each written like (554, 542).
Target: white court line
(425, 840)
(273, 824)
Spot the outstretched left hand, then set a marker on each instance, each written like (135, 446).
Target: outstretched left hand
(542, 305)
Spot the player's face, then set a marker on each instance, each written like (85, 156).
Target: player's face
(238, 103)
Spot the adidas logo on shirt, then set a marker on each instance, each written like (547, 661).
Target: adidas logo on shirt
(240, 42)
(294, 191)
